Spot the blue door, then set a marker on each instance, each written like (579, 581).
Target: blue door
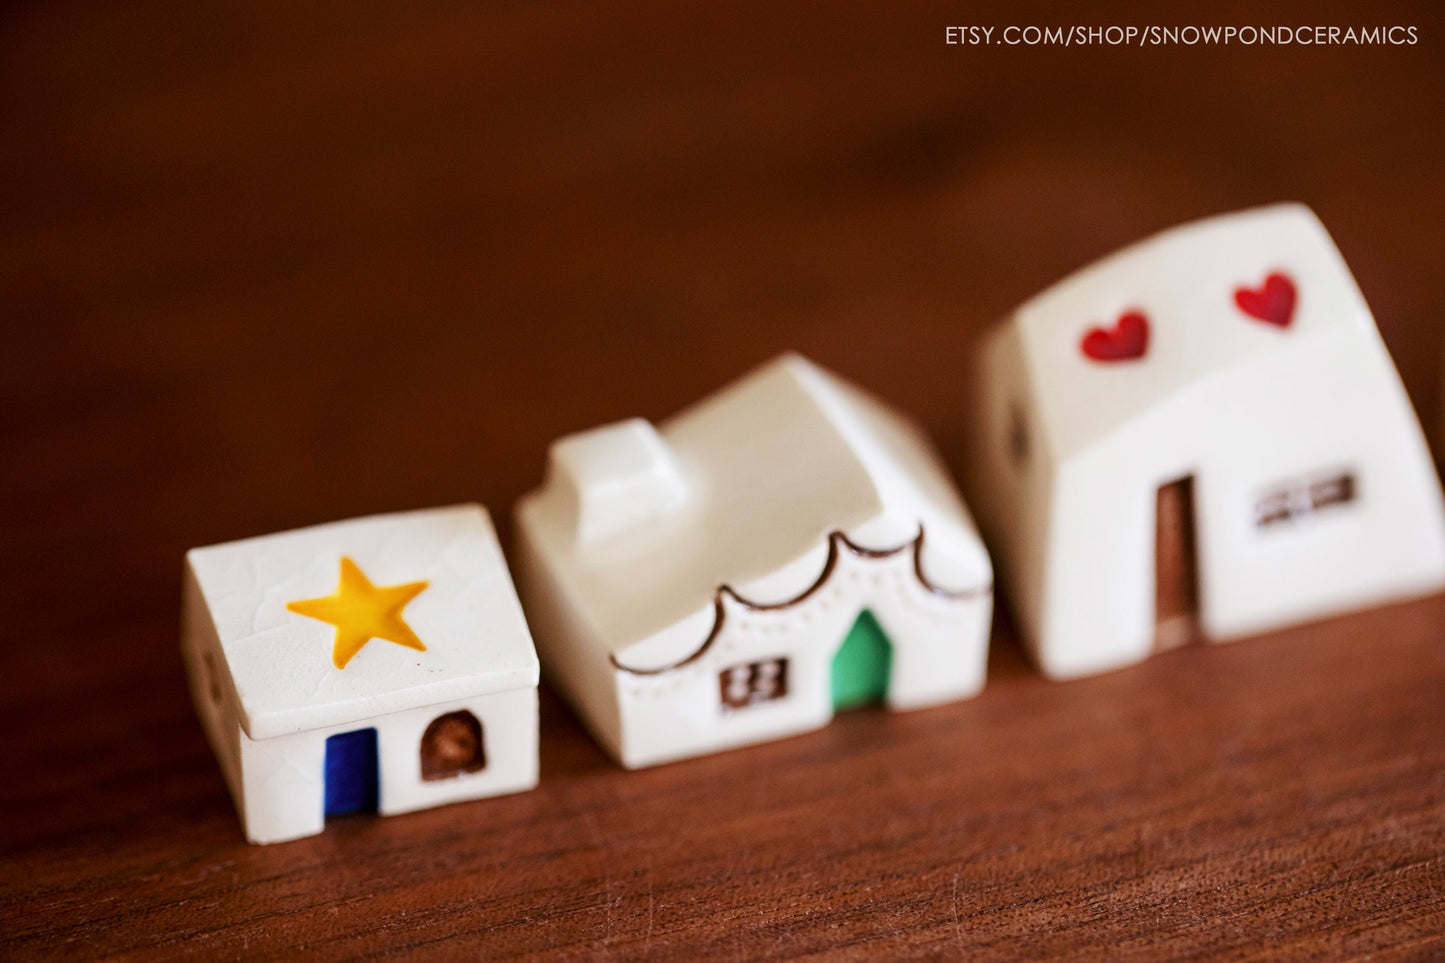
(351, 772)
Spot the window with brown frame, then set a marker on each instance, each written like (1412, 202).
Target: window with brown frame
(1299, 499)
(749, 683)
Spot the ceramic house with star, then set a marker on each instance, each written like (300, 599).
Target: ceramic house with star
(784, 549)
(1201, 436)
(380, 664)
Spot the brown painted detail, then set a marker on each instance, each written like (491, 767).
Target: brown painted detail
(1176, 569)
(749, 683)
(1018, 434)
(1332, 491)
(835, 539)
(213, 678)
(1297, 500)
(452, 745)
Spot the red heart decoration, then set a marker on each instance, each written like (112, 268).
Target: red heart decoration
(1128, 339)
(1273, 303)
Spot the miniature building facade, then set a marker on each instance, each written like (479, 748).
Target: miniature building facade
(380, 664)
(783, 549)
(1202, 435)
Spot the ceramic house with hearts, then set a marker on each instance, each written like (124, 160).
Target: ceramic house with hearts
(379, 664)
(783, 549)
(1201, 436)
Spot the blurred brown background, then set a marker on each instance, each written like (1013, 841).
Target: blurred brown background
(261, 269)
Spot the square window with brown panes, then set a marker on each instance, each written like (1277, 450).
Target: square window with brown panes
(749, 683)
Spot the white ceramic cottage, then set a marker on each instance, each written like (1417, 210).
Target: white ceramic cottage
(378, 664)
(782, 549)
(1202, 434)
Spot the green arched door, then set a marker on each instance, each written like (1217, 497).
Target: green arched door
(861, 667)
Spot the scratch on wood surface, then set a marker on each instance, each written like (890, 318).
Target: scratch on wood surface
(594, 833)
(957, 925)
(647, 940)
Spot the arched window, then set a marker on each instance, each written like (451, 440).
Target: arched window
(452, 745)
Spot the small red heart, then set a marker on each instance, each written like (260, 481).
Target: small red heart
(1128, 339)
(1273, 303)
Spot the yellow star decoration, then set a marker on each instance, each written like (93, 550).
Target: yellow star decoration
(362, 612)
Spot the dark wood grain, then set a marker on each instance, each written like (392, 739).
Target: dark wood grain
(260, 270)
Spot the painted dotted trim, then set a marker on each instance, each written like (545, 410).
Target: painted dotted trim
(835, 539)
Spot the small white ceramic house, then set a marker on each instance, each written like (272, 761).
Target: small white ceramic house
(783, 549)
(1200, 436)
(379, 664)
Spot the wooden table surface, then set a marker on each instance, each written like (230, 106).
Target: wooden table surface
(265, 269)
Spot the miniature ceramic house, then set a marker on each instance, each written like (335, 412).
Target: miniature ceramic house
(377, 664)
(1202, 435)
(783, 549)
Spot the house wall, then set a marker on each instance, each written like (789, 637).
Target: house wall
(211, 690)
(1010, 475)
(940, 649)
(1338, 406)
(1332, 404)
(283, 778)
(573, 658)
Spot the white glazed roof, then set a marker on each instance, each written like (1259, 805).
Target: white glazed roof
(280, 662)
(1184, 281)
(770, 466)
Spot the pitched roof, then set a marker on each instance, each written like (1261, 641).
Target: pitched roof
(764, 470)
(1184, 282)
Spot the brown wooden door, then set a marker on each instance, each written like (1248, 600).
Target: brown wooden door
(1176, 568)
